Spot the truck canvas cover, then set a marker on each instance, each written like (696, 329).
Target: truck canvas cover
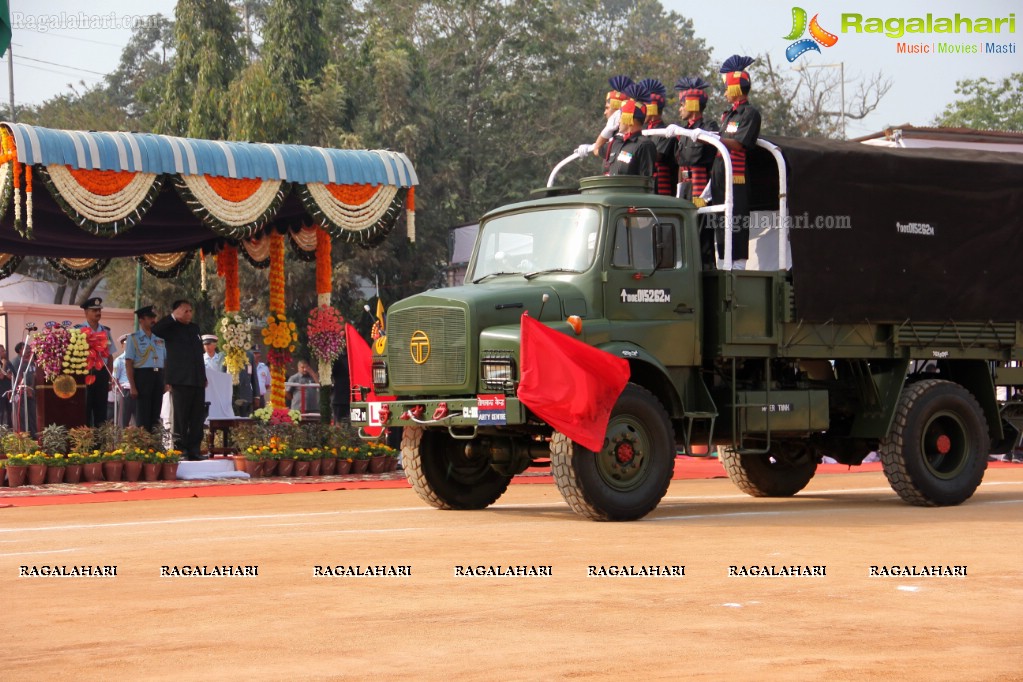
(928, 234)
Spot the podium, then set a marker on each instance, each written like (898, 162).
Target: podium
(51, 409)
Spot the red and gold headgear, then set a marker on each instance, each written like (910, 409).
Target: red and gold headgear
(691, 93)
(737, 81)
(616, 95)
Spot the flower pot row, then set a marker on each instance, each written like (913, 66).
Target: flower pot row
(116, 470)
(327, 466)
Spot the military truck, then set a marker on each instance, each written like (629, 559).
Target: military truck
(888, 315)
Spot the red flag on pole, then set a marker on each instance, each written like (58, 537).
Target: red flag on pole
(569, 384)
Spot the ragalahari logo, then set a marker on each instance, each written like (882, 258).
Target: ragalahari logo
(818, 36)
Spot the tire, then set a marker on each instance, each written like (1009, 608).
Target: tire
(627, 479)
(436, 466)
(783, 473)
(936, 452)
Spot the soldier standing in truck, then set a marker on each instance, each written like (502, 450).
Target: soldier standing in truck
(740, 128)
(632, 153)
(695, 158)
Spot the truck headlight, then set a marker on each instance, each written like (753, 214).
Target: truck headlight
(497, 372)
(379, 374)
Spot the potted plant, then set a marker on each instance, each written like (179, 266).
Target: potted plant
(73, 468)
(152, 465)
(256, 459)
(17, 469)
(82, 441)
(113, 464)
(136, 444)
(169, 460)
(55, 465)
(378, 456)
(360, 460)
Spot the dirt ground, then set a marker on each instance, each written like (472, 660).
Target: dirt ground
(287, 624)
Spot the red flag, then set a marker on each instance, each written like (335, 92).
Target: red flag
(360, 361)
(360, 371)
(569, 384)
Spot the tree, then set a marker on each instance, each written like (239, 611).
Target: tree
(985, 105)
(139, 80)
(208, 58)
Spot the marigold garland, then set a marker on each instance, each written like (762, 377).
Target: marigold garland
(366, 224)
(105, 213)
(8, 264)
(227, 267)
(234, 220)
(276, 272)
(234, 190)
(278, 375)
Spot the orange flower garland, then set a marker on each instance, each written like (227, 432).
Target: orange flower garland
(233, 189)
(227, 267)
(276, 272)
(410, 214)
(102, 182)
(277, 372)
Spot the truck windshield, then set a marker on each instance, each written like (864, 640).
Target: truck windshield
(557, 239)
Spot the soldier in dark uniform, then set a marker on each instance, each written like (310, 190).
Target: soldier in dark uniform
(695, 158)
(185, 377)
(145, 354)
(632, 153)
(96, 392)
(612, 112)
(665, 167)
(740, 128)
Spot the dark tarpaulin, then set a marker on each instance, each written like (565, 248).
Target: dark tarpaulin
(934, 234)
(168, 227)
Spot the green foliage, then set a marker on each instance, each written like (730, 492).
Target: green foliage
(54, 439)
(985, 105)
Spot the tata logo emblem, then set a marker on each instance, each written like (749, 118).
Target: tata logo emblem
(419, 347)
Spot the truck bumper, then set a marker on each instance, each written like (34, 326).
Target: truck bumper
(465, 411)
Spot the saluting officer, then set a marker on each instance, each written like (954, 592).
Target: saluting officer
(144, 358)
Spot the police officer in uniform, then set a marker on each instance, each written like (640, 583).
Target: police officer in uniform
(740, 128)
(96, 392)
(631, 152)
(144, 357)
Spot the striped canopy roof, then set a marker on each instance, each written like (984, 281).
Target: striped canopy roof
(149, 153)
(91, 196)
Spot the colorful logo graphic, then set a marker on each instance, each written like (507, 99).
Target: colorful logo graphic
(817, 35)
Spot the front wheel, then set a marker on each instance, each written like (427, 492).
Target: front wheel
(936, 452)
(440, 472)
(628, 477)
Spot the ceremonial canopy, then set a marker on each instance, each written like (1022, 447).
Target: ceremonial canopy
(81, 198)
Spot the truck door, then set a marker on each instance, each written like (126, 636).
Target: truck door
(651, 293)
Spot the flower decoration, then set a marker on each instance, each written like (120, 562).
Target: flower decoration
(63, 349)
(280, 336)
(269, 415)
(235, 339)
(326, 330)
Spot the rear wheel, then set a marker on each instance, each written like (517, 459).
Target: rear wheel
(440, 472)
(629, 476)
(782, 473)
(936, 451)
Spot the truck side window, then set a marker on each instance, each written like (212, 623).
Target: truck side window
(639, 240)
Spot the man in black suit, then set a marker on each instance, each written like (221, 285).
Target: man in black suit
(185, 377)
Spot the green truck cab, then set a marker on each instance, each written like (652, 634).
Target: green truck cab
(781, 366)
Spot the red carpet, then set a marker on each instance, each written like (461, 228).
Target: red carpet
(686, 468)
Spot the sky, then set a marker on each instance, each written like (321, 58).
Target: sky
(53, 48)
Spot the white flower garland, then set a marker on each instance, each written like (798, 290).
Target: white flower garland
(350, 217)
(229, 212)
(97, 207)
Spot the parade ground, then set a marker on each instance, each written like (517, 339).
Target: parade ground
(842, 582)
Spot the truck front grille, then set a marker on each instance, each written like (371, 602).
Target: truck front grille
(446, 330)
